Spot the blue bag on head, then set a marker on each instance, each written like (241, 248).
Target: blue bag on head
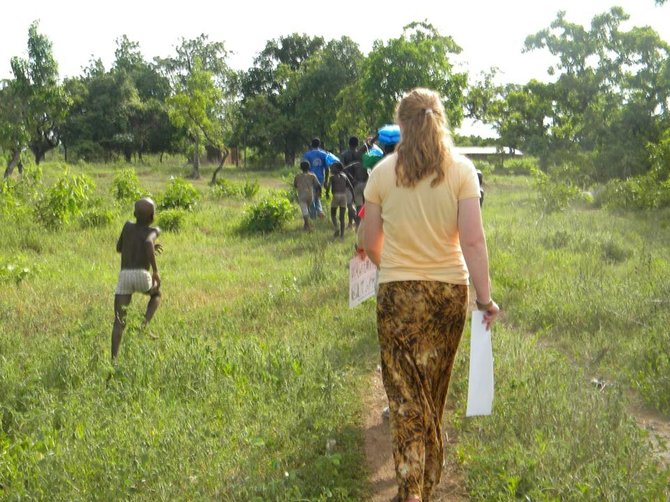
(331, 159)
(389, 134)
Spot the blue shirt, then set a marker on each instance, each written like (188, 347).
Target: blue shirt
(317, 162)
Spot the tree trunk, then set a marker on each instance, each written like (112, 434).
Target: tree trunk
(195, 174)
(289, 158)
(16, 157)
(224, 156)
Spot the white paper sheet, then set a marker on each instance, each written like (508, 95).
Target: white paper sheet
(362, 280)
(480, 380)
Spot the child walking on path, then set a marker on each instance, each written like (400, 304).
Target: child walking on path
(340, 185)
(138, 255)
(307, 184)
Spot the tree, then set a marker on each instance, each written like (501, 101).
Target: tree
(193, 107)
(325, 75)
(99, 123)
(418, 58)
(198, 74)
(272, 93)
(36, 82)
(14, 134)
(610, 98)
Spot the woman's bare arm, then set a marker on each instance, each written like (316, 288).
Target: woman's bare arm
(373, 232)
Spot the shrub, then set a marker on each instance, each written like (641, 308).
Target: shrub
(523, 166)
(639, 192)
(250, 189)
(553, 195)
(171, 220)
(126, 186)
(96, 217)
(269, 214)
(485, 167)
(180, 194)
(225, 188)
(65, 199)
(16, 194)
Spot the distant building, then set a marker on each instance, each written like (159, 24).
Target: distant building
(493, 154)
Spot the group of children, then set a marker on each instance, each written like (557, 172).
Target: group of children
(346, 183)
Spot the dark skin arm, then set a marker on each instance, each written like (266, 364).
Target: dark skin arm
(151, 250)
(326, 177)
(119, 243)
(349, 185)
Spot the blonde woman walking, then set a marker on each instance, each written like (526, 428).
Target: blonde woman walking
(423, 229)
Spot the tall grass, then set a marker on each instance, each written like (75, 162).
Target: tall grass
(256, 363)
(256, 366)
(580, 291)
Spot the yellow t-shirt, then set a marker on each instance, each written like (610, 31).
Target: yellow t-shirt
(421, 223)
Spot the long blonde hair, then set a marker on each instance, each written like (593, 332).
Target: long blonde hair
(425, 143)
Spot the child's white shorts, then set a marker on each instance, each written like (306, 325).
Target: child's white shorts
(133, 281)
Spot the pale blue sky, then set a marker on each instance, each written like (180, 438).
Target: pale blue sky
(490, 32)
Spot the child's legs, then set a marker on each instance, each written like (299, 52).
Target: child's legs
(342, 211)
(317, 205)
(121, 303)
(333, 214)
(153, 304)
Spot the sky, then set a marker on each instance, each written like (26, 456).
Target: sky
(491, 33)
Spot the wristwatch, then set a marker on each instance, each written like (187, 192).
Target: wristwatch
(484, 306)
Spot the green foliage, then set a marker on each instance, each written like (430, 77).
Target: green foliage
(487, 168)
(17, 195)
(255, 379)
(270, 214)
(126, 186)
(553, 195)
(419, 57)
(640, 192)
(651, 371)
(524, 166)
(250, 189)
(180, 194)
(42, 104)
(96, 217)
(605, 96)
(171, 220)
(227, 188)
(64, 200)
(11, 272)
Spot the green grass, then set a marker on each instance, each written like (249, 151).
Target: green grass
(579, 291)
(258, 362)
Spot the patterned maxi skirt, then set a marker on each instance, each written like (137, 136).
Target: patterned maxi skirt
(419, 324)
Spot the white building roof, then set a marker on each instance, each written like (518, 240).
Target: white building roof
(486, 150)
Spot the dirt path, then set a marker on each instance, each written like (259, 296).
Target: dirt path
(380, 459)
(658, 427)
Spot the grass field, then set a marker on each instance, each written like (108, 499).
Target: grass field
(258, 363)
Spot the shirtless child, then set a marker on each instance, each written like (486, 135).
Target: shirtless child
(138, 255)
(340, 184)
(307, 185)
